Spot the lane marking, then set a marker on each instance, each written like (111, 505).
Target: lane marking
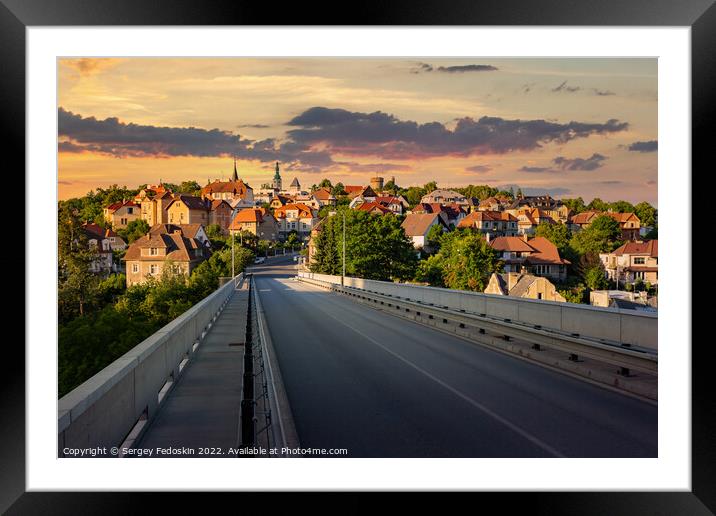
(534, 440)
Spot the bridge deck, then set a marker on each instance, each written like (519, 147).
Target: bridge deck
(202, 410)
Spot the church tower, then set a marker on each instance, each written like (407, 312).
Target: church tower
(277, 179)
(235, 176)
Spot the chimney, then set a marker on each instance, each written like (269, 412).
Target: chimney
(524, 237)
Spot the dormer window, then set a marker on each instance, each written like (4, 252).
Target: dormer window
(153, 251)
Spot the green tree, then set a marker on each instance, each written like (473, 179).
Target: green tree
(134, 230)
(434, 237)
(576, 205)
(621, 207)
(558, 234)
(481, 192)
(598, 205)
(414, 194)
(647, 214)
(430, 186)
(325, 183)
(591, 270)
(601, 236)
(338, 189)
(465, 260)
(189, 188)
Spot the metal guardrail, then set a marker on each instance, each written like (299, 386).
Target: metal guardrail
(626, 357)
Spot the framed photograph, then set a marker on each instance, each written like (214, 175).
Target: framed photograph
(418, 253)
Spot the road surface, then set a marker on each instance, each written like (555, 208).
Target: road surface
(381, 386)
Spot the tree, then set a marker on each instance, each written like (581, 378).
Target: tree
(434, 236)
(376, 246)
(391, 187)
(338, 189)
(189, 188)
(558, 234)
(621, 207)
(647, 214)
(598, 205)
(519, 193)
(414, 194)
(591, 269)
(576, 205)
(481, 192)
(465, 262)
(134, 230)
(325, 183)
(599, 237)
(430, 187)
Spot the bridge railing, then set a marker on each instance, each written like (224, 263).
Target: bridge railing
(104, 409)
(629, 327)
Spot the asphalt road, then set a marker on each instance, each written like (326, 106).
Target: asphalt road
(381, 386)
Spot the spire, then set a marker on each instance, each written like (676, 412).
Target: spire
(235, 176)
(277, 175)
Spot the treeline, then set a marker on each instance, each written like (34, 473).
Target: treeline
(376, 248)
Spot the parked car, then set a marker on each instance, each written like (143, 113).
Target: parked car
(295, 258)
(259, 260)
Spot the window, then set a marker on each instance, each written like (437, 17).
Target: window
(153, 251)
(135, 268)
(130, 211)
(153, 269)
(123, 221)
(639, 260)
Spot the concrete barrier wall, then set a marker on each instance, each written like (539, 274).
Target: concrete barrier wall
(103, 410)
(612, 324)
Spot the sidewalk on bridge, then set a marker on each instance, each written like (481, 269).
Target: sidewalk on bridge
(202, 410)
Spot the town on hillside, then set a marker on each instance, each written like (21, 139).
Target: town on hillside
(536, 247)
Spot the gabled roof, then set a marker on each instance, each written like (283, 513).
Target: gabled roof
(647, 248)
(546, 253)
(511, 244)
(480, 216)
(304, 212)
(192, 202)
(349, 189)
(233, 187)
(323, 194)
(178, 247)
(248, 215)
(187, 230)
(295, 182)
(584, 218)
(418, 224)
(216, 204)
(373, 206)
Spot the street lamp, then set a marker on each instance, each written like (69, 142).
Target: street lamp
(343, 275)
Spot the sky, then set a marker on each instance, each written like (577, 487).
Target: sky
(568, 127)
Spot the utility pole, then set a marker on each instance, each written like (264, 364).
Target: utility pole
(233, 239)
(343, 276)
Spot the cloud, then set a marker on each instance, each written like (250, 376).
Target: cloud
(648, 146)
(527, 87)
(565, 88)
(384, 135)
(89, 65)
(611, 182)
(479, 168)
(603, 93)
(536, 169)
(373, 167)
(591, 163)
(253, 126)
(113, 137)
(426, 68)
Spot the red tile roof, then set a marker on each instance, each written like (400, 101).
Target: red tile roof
(647, 247)
(417, 224)
(370, 206)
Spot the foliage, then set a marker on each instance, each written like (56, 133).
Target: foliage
(338, 189)
(465, 262)
(134, 230)
(482, 192)
(591, 270)
(601, 236)
(598, 205)
(376, 247)
(558, 234)
(434, 237)
(621, 207)
(576, 205)
(647, 214)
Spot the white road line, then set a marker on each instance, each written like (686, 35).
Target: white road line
(534, 440)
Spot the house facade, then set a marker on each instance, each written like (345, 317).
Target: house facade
(104, 241)
(537, 256)
(187, 209)
(120, 214)
(633, 261)
(491, 223)
(440, 196)
(220, 213)
(149, 255)
(526, 286)
(296, 217)
(417, 226)
(256, 221)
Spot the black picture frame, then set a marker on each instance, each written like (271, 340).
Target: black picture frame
(16, 15)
